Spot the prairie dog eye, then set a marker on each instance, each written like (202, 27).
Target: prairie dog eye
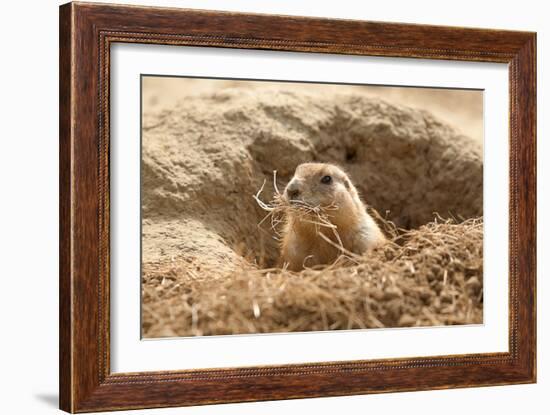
(326, 179)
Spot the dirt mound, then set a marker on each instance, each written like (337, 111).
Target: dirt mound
(203, 160)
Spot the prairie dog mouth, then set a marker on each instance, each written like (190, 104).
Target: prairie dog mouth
(308, 208)
(299, 202)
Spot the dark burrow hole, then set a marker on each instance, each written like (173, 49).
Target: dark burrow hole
(351, 155)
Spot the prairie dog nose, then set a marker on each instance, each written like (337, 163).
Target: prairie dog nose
(292, 190)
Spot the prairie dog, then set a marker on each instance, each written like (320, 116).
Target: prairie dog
(327, 188)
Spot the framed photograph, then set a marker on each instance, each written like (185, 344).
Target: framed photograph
(258, 207)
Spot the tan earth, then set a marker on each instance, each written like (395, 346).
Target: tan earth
(208, 146)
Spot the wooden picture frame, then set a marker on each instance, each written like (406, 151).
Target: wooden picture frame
(86, 33)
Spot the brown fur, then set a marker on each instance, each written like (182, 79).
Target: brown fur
(304, 244)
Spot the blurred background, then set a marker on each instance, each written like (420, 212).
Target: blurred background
(463, 109)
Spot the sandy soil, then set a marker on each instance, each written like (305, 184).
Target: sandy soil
(209, 145)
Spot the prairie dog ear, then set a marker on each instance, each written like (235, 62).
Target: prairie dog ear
(347, 183)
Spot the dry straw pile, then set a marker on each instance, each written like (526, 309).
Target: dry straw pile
(428, 276)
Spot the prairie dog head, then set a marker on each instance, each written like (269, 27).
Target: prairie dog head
(322, 185)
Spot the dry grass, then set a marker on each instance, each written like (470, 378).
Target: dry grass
(425, 277)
